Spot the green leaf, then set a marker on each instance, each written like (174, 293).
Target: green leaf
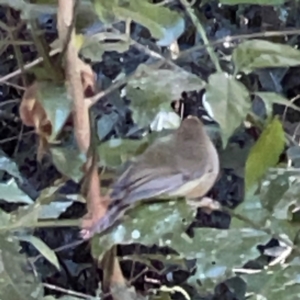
(171, 259)
(152, 91)
(252, 212)
(229, 101)
(11, 193)
(31, 11)
(265, 153)
(27, 216)
(106, 124)
(9, 166)
(290, 196)
(69, 162)
(149, 223)
(86, 17)
(254, 2)
(4, 219)
(251, 209)
(15, 282)
(115, 152)
(274, 186)
(47, 253)
(95, 46)
(57, 104)
(280, 193)
(271, 206)
(68, 297)
(165, 120)
(254, 54)
(163, 23)
(219, 251)
(277, 282)
(293, 154)
(270, 98)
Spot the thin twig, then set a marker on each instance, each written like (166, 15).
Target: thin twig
(68, 292)
(28, 66)
(201, 31)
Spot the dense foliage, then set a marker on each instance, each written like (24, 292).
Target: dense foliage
(142, 65)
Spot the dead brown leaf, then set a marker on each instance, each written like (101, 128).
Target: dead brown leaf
(88, 78)
(33, 114)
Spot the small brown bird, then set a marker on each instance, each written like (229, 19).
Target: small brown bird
(184, 163)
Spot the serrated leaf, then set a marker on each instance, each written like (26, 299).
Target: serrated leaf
(15, 282)
(152, 91)
(254, 54)
(69, 162)
(270, 98)
(11, 193)
(265, 153)
(47, 253)
(150, 223)
(229, 101)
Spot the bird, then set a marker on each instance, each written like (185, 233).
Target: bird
(184, 163)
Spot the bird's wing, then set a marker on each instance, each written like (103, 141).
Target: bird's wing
(131, 187)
